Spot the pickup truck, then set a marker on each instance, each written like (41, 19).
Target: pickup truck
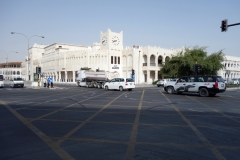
(16, 82)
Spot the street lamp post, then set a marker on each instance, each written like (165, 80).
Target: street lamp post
(138, 67)
(28, 39)
(7, 56)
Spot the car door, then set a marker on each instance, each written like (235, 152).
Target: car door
(111, 84)
(181, 84)
(191, 84)
(117, 83)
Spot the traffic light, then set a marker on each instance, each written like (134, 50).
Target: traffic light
(224, 25)
(38, 70)
(199, 68)
(133, 72)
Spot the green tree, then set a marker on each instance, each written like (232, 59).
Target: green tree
(182, 63)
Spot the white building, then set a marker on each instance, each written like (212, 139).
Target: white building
(232, 65)
(11, 70)
(62, 61)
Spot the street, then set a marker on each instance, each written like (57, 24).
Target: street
(70, 122)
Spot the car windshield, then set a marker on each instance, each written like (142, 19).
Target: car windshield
(220, 79)
(17, 79)
(129, 80)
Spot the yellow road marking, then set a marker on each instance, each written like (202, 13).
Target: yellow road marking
(144, 143)
(224, 115)
(56, 148)
(227, 102)
(131, 146)
(64, 108)
(47, 96)
(197, 132)
(51, 101)
(91, 117)
(232, 97)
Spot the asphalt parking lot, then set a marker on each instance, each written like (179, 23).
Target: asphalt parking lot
(70, 122)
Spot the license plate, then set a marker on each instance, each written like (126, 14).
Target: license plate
(130, 83)
(222, 85)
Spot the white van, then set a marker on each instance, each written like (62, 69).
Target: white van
(120, 84)
(1, 81)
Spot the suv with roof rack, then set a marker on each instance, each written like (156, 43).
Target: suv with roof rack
(204, 85)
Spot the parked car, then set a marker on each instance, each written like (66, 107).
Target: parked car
(164, 81)
(204, 85)
(160, 83)
(120, 84)
(234, 81)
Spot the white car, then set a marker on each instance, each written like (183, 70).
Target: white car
(164, 81)
(204, 85)
(120, 84)
(235, 81)
(16, 82)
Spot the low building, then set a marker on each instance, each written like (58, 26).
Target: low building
(11, 70)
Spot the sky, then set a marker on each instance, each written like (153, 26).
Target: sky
(161, 23)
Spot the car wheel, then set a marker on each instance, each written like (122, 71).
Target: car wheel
(120, 88)
(170, 90)
(203, 92)
(106, 88)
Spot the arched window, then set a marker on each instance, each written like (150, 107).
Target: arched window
(18, 73)
(152, 60)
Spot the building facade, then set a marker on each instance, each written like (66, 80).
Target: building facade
(11, 70)
(232, 68)
(62, 61)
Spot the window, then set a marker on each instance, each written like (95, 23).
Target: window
(220, 79)
(115, 60)
(200, 79)
(191, 79)
(1, 77)
(113, 80)
(183, 79)
(111, 59)
(210, 79)
(118, 60)
(129, 80)
(17, 79)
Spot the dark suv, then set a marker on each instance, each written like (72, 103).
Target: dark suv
(207, 85)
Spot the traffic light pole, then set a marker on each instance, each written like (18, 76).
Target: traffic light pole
(225, 25)
(233, 24)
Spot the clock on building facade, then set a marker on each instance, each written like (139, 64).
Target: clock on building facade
(104, 41)
(115, 40)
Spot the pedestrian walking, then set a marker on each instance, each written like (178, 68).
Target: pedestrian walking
(51, 82)
(48, 82)
(45, 81)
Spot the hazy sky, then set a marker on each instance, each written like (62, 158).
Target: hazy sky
(161, 23)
